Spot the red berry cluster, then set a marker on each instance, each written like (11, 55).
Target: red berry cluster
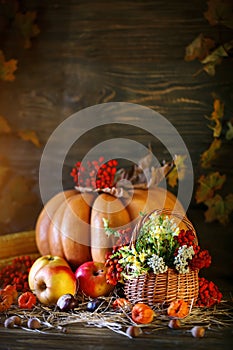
(186, 238)
(209, 293)
(95, 174)
(16, 273)
(201, 259)
(114, 269)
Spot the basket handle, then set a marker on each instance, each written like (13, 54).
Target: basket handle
(164, 211)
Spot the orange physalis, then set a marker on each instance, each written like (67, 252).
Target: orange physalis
(27, 300)
(178, 308)
(142, 313)
(122, 303)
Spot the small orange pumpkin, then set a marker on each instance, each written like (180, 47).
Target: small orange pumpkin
(178, 309)
(142, 313)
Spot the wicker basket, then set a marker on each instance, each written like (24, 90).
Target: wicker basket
(165, 287)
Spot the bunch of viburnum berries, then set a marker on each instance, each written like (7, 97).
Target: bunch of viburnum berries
(96, 174)
(16, 273)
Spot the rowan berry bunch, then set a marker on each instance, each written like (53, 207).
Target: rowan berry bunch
(201, 258)
(96, 174)
(186, 238)
(114, 268)
(209, 293)
(16, 273)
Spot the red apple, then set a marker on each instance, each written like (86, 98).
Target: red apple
(50, 277)
(91, 279)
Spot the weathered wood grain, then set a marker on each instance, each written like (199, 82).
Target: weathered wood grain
(97, 338)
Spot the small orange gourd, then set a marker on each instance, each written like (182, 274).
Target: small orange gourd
(122, 303)
(178, 309)
(142, 313)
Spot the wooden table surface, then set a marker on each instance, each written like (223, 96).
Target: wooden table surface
(90, 339)
(90, 52)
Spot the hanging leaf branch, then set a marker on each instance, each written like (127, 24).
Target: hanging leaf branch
(218, 208)
(210, 154)
(24, 22)
(179, 170)
(7, 68)
(21, 20)
(208, 51)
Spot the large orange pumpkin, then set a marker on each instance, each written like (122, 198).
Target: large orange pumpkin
(71, 223)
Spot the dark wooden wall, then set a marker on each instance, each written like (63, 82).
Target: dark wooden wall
(91, 52)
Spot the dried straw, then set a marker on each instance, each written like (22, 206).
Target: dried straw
(117, 321)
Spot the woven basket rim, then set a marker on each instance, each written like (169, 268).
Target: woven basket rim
(169, 269)
(165, 211)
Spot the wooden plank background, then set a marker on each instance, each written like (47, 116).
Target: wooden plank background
(91, 52)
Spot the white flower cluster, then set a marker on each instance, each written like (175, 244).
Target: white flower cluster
(181, 260)
(157, 264)
(161, 227)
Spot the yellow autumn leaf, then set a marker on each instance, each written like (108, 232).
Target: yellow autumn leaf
(229, 133)
(5, 127)
(29, 135)
(199, 48)
(207, 185)
(218, 110)
(219, 209)
(178, 172)
(216, 117)
(210, 154)
(215, 58)
(7, 68)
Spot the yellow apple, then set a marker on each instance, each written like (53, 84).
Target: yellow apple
(50, 277)
(42, 261)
